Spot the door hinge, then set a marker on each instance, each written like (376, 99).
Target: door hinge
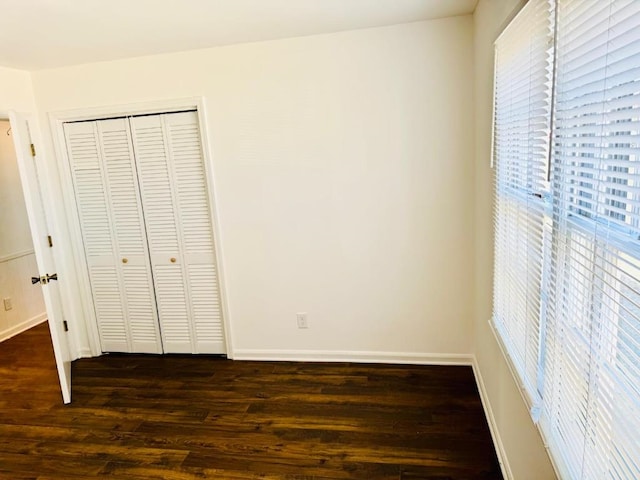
(33, 150)
(50, 240)
(66, 327)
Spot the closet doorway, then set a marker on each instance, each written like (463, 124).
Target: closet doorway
(143, 202)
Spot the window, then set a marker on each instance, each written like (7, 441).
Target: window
(522, 106)
(579, 318)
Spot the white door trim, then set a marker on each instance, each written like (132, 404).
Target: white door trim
(84, 302)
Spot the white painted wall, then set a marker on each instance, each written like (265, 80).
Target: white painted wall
(28, 305)
(344, 179)
(523, 447)
(15, 235)
(16, 92)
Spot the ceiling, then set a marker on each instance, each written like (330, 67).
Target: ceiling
(37, 34)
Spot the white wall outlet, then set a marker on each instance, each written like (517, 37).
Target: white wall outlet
(8, 305)
(303, 321)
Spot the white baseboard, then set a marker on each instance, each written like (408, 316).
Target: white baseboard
(352, 356)
(85, 353)
(507, 474)
(22, 327)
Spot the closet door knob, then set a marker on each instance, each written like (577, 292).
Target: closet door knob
(173, 260)
(125, 260)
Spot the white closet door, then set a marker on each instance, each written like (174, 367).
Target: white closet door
(107, 195)
(180, 232)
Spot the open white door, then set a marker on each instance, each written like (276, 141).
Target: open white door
(46, 277)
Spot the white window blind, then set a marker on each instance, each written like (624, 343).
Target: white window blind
(522, 106)
(567, 270)
(591, 388)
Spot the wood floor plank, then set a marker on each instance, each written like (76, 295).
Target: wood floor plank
(32, 463)
(182, 417)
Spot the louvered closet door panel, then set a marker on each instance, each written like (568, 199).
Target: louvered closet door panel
(129, 231)
(107, 197)
(197, 230)
(156, 187)
(176, 204)
(100, 250)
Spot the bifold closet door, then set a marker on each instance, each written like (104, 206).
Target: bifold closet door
(113, 231)
(180, 233)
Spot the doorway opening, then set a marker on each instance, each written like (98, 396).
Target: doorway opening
(21, 304)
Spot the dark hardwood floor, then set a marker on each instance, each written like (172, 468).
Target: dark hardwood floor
(192, 417)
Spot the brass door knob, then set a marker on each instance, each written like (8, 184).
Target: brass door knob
(173, 260)
(125, 260)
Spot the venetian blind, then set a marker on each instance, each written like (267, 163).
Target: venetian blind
(522, 106)
(591, 369)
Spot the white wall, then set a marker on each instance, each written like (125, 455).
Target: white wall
(526, 455)
(15, 91)
(17, 259)
(15, 235)
(343, 173)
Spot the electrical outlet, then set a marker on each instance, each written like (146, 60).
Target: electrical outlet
(303, 321)
(8, 305)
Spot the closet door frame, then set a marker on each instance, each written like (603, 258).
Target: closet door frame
(83, 303)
